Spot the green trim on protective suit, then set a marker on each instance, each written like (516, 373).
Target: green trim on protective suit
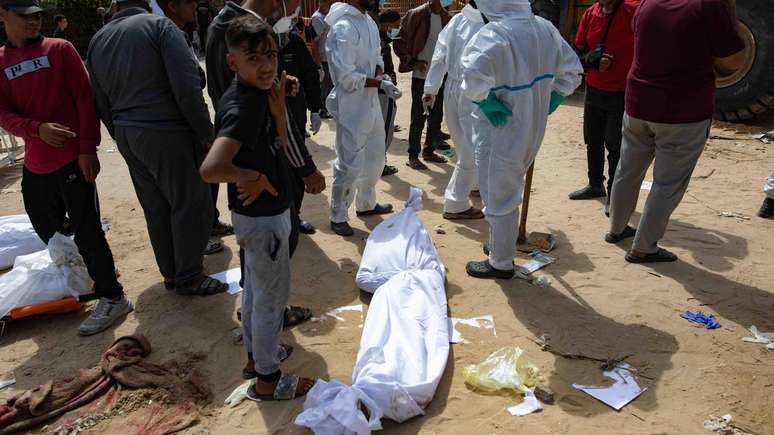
(556, 101)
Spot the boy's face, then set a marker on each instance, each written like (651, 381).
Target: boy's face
(22, 26)
(257, 67)
(63, 24)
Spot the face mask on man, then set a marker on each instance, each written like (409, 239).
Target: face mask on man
(394, 33)
(284, 24)
(446, 3)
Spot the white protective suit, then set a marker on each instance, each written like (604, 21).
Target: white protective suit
(459, 110)
(522, 58)
(353, 49)
(768, 188)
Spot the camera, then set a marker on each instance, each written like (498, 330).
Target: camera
(594, 57)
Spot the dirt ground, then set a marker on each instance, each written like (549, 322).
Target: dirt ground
(596, 304)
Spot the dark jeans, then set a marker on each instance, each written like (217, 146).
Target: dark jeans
(418, 119)
(164, 166)
(48, 197)
(602, 129)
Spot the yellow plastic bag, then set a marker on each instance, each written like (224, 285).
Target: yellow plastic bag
(503, 372)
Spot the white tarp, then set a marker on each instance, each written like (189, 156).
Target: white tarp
(405, 342)
(45, 276)
(17, 237)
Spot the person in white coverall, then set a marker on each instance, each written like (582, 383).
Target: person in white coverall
(458, 108)
(353, 49)
(767, 208)
(517, 69)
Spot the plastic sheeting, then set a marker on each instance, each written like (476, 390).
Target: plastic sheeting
(45, 276)
(405, 342)
(17, 237)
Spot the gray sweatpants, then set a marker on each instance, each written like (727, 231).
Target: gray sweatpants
(266, 286)
(676, 149)
(164, 166)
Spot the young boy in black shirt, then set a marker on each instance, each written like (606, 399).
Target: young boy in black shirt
(248, 155)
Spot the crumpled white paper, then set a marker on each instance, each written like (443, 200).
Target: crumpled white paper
(334, 313)
(619, 394)
(486, 322)
(766, 338)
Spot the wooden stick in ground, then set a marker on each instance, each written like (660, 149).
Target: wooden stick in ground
(525, 205)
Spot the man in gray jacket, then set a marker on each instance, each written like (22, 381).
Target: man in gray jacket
(148, 93)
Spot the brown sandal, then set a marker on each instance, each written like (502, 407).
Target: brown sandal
(434, 158)
(416, 164)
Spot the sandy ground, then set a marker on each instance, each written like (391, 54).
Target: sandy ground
(596, 304)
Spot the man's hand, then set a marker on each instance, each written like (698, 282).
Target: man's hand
(314, 183)
(55, 134)
(390, 89)
(249, 191)
(89, 164)
(421, 66)
(293, 86)
(606, 62)
(428, 101)
(277, 98)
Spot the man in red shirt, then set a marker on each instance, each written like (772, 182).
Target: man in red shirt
(46, 99)
(605, 37)
(670, 100)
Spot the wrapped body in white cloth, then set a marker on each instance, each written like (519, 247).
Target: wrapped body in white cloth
(405, 343)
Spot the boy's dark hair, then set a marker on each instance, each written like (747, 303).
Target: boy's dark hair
(250, 29)
(59, 18)
(389, 16)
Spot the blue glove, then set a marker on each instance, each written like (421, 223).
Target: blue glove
(556, 100)
(709, 321)
(495, 110)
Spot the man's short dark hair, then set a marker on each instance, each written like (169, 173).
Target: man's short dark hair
(59, 18)
(164, 4)
(251, 30)
(389, 16)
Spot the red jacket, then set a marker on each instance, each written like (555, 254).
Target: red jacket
(620, 43)
(46, 81)
(414, 30)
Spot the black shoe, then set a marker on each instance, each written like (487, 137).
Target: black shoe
(306, 228)
(625, 234)
(444, 136)
(342, 229)
(588, 192)
(389, 170)
(482, 269)
(767, 209)
(379, 209)
(325, 115)
(441, 145)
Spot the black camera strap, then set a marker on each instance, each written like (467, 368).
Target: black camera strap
(610, 23)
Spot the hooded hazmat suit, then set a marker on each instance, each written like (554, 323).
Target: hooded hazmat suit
(522, 59)
(353, 49)
(459, 109)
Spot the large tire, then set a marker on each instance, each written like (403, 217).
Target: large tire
(548, 9)
(753, 93)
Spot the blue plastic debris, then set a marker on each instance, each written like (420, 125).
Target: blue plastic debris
(698, 317)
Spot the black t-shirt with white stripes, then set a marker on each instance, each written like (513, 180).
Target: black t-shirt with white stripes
(243, 115)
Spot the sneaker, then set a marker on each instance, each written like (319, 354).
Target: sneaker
(389, 170)
(767, 209)
(588, 192)
(305, 227)
(441, 145)
(104, 314)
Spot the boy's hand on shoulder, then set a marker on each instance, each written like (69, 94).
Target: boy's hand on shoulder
(249, 191)
(314, 183)
(277, 98)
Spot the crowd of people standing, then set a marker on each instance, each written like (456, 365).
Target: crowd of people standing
(494, 70)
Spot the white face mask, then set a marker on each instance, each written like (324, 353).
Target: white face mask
(284, 24)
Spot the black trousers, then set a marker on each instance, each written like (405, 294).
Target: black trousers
(214, 190)
(602, 129)
(418, 120)
(47, 198)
